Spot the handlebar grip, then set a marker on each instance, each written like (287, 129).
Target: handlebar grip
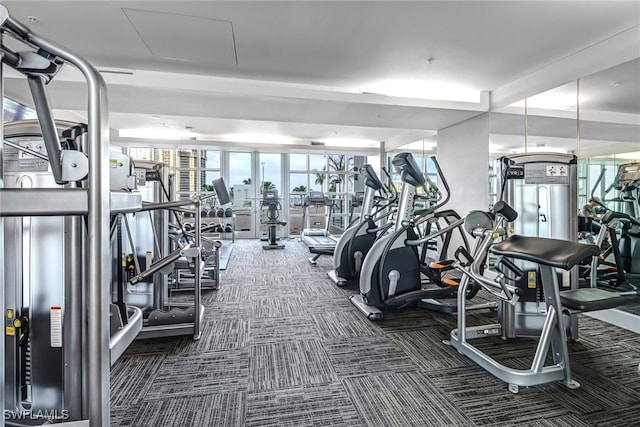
(509, 265)
(463, 256)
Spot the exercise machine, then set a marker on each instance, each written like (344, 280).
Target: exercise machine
(356, 202)
(146, 259)
(627, 182)
(391, 274)
(272, 203)
(355, 242)
(543, 189)
(182, 233)
(549, 255)
(622, 273)
(319, 241)
(62, 332)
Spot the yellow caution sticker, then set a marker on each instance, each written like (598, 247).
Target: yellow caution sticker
(531, 280)
(10, 330)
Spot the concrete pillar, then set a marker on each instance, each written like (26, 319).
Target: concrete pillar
(463, 154)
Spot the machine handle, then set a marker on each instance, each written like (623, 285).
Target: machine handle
(463, 256)
(510, 266)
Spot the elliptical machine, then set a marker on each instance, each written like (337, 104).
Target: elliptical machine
(391, 273)
(270, 200)
(357, 240)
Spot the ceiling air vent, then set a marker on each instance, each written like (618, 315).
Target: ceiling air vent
(317, 143)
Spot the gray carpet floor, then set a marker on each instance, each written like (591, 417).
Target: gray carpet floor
(283, 346)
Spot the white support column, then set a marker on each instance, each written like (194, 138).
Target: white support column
(463, 154)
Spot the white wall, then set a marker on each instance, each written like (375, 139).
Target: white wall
(463, 154)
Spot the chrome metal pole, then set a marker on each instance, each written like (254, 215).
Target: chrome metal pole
(198, 273)
(3, 16)
(99, 256)
(132, 244)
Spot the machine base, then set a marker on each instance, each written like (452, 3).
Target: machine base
(339, 281)
(372, 313)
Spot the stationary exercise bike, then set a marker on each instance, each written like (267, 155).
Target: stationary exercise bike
(270, 200)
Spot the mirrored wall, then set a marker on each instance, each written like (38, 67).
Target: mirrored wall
(596, 118)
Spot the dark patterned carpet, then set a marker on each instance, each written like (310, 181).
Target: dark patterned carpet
(283, 346)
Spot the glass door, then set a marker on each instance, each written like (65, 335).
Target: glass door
(270, 179)
(242, 189)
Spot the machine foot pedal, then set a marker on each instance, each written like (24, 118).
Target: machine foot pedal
(172, 316)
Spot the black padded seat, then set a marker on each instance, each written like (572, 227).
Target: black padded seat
(552, 252)
(589, 299)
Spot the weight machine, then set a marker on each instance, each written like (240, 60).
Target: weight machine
(61, 331)
(551, 358)
(543, 189)
(146, 257)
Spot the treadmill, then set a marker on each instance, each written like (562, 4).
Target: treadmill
(318, 240)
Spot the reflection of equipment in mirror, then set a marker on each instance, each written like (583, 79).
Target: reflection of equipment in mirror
(272, 204)
(627, 181)
(617, 267)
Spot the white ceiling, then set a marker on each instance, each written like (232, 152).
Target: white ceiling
(298, 69)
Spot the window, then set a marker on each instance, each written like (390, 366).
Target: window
(336, 175)
(15, 111)
(210, 170)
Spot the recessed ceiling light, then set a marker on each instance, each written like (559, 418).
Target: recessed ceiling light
(552, 101)
(258, 138)
(423, 89)
(349, 142)
(156, 133)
